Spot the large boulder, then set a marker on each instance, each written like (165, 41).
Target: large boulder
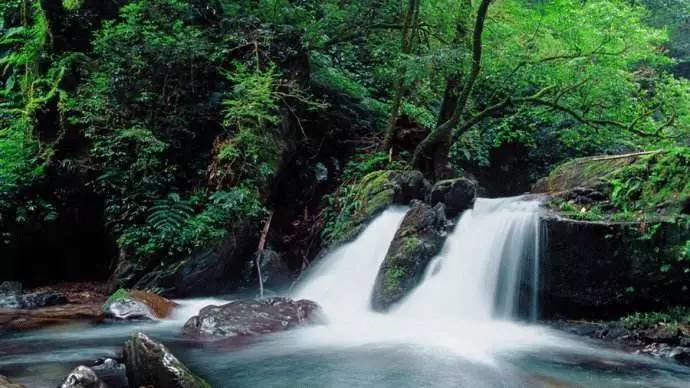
(150, 363)
(136, 304)
(371, 195)
(211, 272)
(82, 377)
(457, 194)
(600, 269)
(275, 272)
(419, 238)
(252, 317)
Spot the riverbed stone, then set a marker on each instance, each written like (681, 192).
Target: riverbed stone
(419, 238)
(136, 304)
(150, 363)
(250, 317)
(83, 377)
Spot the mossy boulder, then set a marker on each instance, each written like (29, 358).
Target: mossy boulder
(457, 194)
(136, 304)
(419, 238)
(151, 364)
(371, 195)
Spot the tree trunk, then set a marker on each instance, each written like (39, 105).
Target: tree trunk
(399, 86)
(438, 141)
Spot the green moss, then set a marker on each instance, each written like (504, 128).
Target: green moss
(393, 278)
(118, 295)
(671, 319)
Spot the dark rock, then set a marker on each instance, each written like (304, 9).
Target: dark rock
(458, 194)
(112, 372)
(32, 300)
(274, 270)
(150, 363)
(603, 270)
(419, 238)
(252, 317)
(135, 304)
(585, 196)
(83, 377)
(211, 272)
(9, 287)
(6, 383)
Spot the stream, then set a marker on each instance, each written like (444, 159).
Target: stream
(470, 323)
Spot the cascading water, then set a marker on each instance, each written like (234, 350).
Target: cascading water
(342, 281)
(490, 257)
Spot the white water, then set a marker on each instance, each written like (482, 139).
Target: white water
(479, 272)
(461, 304)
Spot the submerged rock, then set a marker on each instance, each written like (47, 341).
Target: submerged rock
(252, 317)
(32, 300)
(457, 194)
(135, 304)
(83, 377)
(150, 363)
(419, 238)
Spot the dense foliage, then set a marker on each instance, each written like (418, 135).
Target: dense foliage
(180, 115)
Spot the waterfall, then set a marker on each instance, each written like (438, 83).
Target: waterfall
(342, 282)
(488, 267)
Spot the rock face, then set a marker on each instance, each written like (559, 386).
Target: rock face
(135, 304)
(419, 238)
(82, 377)
(206, 273)
(457, 194)
(31, 300)
(374, 193)
(660, 341)
(274, 270)
(606, 269)
(150, 363)
(252, 317)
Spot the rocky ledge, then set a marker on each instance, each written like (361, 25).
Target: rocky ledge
(668, 342)
(252, 317)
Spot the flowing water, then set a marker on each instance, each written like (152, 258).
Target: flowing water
(466, 325)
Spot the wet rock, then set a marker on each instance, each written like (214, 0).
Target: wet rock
(11, 320)
(112, 372)
(419, 238)
(136, 304)
(82, 377)
(31, 300)
(6, 383)
(150, 363)
(458, 194)
(252, 317)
